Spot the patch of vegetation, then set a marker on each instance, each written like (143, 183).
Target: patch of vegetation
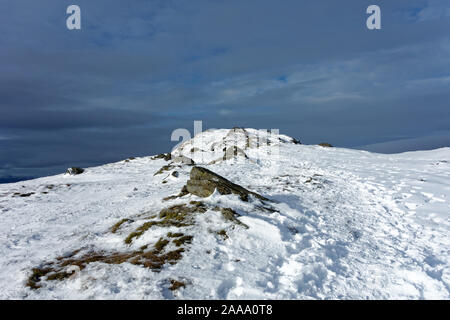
(153, 216)
(151, 259)
(175, 235)
(165, 223)
(116, 227)
(37, 274)
(164, 168)
(173, 256)
(73, 253)
(175, 285)
(161, 244)
(155, 261)
(174, 216)
(179, 212)
(165, 156)
(182, 240)
(223, 233)
(109, 258)
(324, 144)
(230, 215)
(59, 275)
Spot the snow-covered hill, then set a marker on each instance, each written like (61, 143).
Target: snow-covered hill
(330, 223)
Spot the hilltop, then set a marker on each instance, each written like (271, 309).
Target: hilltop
(233, 213)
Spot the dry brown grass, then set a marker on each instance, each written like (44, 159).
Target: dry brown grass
(175, 285)
(182, 240)
(116, 227)
(153, 259)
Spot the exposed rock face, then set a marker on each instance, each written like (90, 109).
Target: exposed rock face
(203, 182)
(75, 170)
(230, 215)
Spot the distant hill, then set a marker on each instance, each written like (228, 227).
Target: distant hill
(14, 179)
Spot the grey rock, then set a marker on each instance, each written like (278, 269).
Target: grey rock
(75, 170)
(184, 160)
(203, 182)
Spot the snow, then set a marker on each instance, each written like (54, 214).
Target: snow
(345, 224)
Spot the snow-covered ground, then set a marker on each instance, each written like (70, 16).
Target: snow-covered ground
(343, 224)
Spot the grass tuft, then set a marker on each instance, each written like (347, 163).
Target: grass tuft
(180, 241)
(116, 227)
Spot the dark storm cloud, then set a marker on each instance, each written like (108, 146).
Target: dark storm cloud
(139, 69)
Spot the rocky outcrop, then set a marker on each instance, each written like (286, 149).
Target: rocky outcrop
(165, 156)
(325, 144)
(203, 182)
(231, 152)
(75, 171)
(183, 160)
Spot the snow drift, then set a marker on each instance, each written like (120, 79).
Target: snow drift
(225, 216)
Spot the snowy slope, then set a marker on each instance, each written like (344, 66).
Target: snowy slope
(342, 224)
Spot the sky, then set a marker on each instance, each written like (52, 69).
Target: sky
(137, 70)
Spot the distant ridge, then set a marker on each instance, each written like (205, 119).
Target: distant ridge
(11, 179)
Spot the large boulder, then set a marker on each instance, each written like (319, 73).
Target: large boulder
(203, 182)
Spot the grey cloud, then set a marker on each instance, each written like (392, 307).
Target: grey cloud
(138, 70)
